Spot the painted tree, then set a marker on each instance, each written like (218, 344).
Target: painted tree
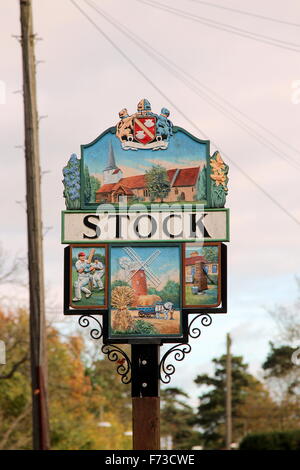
(87, 185)
(171, 292)
(71, 183)
(95, 185)
(157, 182)
(210, 253)
(202, 185)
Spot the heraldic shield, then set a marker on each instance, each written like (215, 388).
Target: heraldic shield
(144, 128)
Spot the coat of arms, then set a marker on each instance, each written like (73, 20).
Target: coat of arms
(144, 129)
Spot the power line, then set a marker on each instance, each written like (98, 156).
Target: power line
(126, 57)
(247, 13)
(151, 51)
(223, 27)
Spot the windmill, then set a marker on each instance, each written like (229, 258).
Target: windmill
(138, 271)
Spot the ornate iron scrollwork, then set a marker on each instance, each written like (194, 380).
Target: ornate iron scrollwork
(95, 333)
(166, 370)
(179, 351)
(194, 331)
(119, 356)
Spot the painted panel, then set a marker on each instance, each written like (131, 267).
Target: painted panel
(88, 277)
(201, 275)
(145, 291)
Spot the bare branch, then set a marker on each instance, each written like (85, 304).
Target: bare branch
(14, 368)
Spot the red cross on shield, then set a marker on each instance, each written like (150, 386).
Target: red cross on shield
(144, 129)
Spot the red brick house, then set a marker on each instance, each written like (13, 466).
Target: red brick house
(194, 271)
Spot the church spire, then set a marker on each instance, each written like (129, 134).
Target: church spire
(111, 163)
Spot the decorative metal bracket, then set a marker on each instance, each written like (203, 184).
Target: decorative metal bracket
(95, 333)
(113, 352)
(119, 356)
(193, 331)
(179, 351)
(124, 368)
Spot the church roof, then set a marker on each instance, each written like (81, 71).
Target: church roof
(184, 177)
(111, 162)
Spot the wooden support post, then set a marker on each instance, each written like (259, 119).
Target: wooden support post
(35, 236)
(145, 397)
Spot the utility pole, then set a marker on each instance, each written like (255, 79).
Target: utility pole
(34, 234)
(228, 393)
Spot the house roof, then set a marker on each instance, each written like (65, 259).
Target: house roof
(125, 190)
(195, 259)
(187, 177)
(106, 188)
(184, 177)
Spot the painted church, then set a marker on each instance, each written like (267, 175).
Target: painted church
(117, 188)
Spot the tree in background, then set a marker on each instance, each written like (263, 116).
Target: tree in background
(246, 391)
(283, 379)
(282, 373)
(287, 320)
(77, 402)
(157, 182)
(178, 419)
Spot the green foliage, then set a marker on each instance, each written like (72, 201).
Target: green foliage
(170, 292)
(202, 185)
(140, 327)
(78, 399)
(71, 183)
(178, 419)
(211, 411)
(208, 297)
(288, 440)
(95, 185)
(211, 254)
(157, 182)
(87, 184)
(278, 362)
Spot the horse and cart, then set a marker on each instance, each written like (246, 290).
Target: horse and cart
(157, 310)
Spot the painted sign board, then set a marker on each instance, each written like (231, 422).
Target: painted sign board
(145, 159)
(187, 225)
(145, 224)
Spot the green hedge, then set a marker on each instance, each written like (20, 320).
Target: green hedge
(288, 440)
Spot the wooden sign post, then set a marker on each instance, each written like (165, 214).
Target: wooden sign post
(145, 226)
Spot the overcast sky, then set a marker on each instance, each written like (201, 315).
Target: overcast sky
(83, 84)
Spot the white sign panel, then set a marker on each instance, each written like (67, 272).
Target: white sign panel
(206, 225)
